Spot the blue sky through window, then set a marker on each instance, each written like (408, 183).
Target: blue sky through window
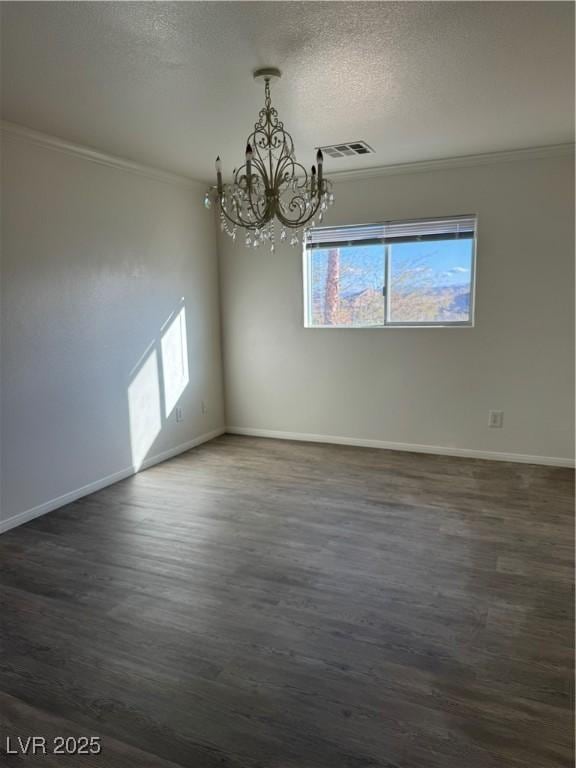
(448, 262)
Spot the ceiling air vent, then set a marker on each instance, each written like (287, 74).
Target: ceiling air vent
(349, 149)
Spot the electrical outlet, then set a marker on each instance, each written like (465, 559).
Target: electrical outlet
(496, 419)
(179, 414)
(203, 407)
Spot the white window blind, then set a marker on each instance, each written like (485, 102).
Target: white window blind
(454, 227)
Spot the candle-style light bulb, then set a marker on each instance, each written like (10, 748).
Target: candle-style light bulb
(249, 164)
(219, 174)
(313, 180)
(320, 161)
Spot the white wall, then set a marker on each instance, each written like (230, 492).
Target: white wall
(421, 387)
(97, 263)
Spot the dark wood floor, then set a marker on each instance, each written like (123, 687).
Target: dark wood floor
(258, 603)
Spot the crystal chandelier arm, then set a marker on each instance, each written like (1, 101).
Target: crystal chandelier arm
(250, 214)
(264, 143)
(297, 200)
(261, 214)
(236, 216)
(286, 172)
(237, 222)
(293, 174)
(260, 217)
(300, 222)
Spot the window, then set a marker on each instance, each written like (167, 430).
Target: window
(399, 273)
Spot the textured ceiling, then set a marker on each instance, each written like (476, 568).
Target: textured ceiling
(169, 84)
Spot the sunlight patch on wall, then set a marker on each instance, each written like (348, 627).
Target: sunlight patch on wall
(174, 361)
(144, 409)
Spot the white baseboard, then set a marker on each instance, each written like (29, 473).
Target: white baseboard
(409, 447)
(97, 485)
(67, 498)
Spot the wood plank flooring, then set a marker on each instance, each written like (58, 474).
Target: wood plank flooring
(266, 604)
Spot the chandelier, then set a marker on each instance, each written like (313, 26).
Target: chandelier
(271, 188)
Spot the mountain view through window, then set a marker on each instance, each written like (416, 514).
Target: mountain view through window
(407, 281)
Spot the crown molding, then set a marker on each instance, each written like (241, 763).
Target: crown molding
(93, 155)
(463, 161)
(420, 166)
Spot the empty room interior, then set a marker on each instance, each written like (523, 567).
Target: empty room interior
(287, 384)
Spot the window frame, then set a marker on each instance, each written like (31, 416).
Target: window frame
(470, 323)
